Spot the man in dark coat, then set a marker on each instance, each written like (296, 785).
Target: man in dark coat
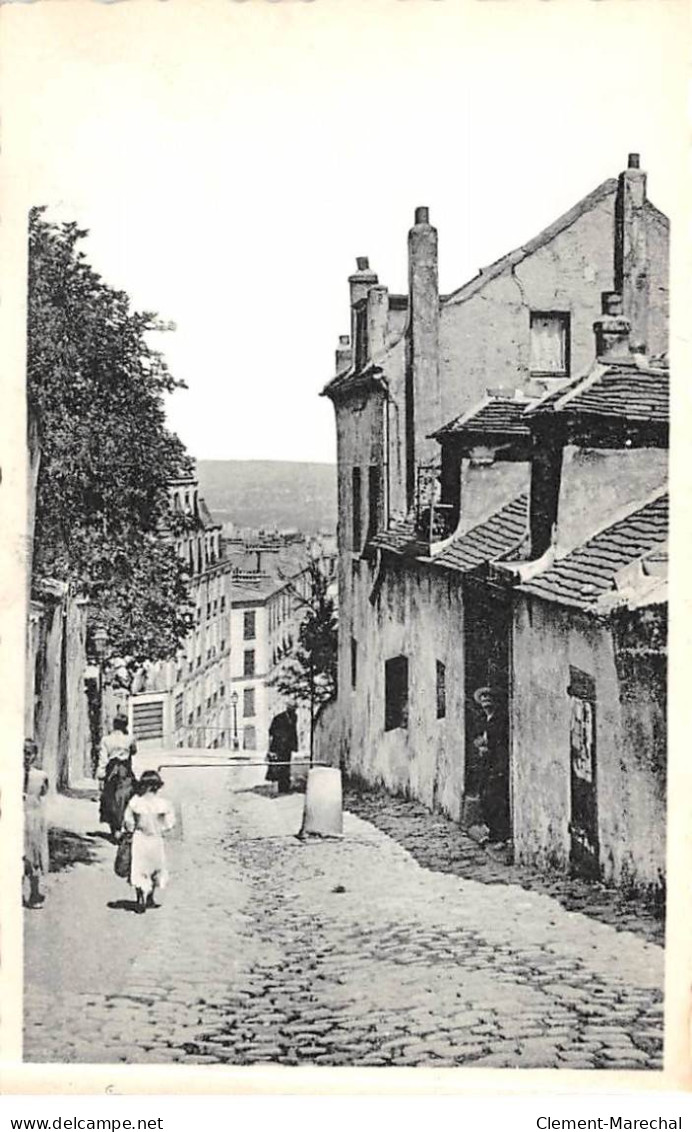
(283, 741)
(494, 770)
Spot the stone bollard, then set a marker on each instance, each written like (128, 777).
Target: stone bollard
(323, 813)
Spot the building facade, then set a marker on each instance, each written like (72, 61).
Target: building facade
(446, 468)
(185, 702)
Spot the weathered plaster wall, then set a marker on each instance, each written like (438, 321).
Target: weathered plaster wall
(599, 484)
(484, 490)
(360, 442)
(547, 639)
(659, 267)
(48, 685)
(485, 339)
(418, 614)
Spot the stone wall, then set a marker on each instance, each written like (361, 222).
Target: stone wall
(630, 733)
(418, 614)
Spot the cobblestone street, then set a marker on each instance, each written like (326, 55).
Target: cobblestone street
(349, 952)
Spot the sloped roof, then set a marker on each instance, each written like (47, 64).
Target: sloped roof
(351, 380)
(589, 572)
(606, 189)
(485, 542)
(499, 415)
(492, 539)
(399, 536)
(627, 390)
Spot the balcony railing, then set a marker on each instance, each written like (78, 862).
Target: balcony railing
(434, 520)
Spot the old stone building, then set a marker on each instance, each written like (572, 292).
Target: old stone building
(451, 457)
(184, 702)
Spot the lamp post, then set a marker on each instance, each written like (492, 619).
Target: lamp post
(100, 639)
(234, 705)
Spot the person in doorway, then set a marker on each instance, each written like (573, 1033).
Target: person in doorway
(147, 818)
(494, 768)
(283, 741)
(36, 861)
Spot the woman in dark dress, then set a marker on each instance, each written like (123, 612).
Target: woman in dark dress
(118, 787)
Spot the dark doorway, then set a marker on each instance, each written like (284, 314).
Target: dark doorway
(583, 793)
(487, 628)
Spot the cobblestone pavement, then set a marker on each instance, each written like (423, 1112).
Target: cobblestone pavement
(437, 843)
(269, 949)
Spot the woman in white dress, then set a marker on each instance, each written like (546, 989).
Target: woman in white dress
(147, 818)
(35, 824)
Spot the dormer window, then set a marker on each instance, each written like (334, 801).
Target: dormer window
(550, 345)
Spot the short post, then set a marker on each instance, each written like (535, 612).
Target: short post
(323, 810)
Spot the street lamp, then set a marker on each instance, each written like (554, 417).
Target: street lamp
(100, 641)
(234, 705)
(100, 638)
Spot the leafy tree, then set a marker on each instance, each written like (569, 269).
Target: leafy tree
(96, 392)
(309, 675)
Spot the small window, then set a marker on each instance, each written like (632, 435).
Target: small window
(356, 505)
(249, 741)
(249, 662)
(549, 343)
(441, 687)
(354, 661)
(248, 702)
(374, 498)
(395, 693)
(179, 711)
(249, 625)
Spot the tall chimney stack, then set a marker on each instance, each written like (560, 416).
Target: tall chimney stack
(359, 284)
(612, 329)
(631, 251)
(344, 355)
(378, 313)
(422, 369)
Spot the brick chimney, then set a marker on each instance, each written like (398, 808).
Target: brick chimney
(359, 284)
(422, 369)
(612, 329)
(378, 312)
(344, 355)
(631, 251)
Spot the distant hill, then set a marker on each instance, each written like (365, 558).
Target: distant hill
(270, 493)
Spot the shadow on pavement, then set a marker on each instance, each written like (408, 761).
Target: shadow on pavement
(123, 905)
(67, 849)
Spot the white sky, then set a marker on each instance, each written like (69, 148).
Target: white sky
(231, 161)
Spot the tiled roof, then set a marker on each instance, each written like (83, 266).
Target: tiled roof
(626, 391)
(350, 380)
(488, 541)
(590, 571)
(400, 536)
(499, 415)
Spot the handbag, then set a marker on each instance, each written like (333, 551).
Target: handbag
(123, 858)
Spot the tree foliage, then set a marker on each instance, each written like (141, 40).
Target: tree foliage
(96, 391)
(309, 675)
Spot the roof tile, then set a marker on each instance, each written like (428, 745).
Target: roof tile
(583, 576)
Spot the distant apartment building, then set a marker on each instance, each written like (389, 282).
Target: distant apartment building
(185, 702)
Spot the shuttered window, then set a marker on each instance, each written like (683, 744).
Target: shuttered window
(147, 720)
(549, 343)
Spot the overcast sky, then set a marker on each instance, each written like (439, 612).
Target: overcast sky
(231, 161)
